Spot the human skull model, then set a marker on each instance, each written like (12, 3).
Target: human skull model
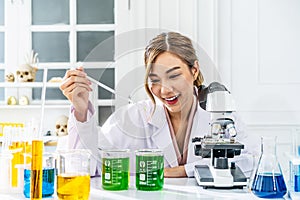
(9, 77)
(61, 125)
(27, 71)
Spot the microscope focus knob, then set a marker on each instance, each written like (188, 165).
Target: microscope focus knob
(221, 163)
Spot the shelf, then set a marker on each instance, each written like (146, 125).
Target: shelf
(28, 85)
(37, 105)
(106, 102)
(46, 139)
(8, 107)
(52, 104)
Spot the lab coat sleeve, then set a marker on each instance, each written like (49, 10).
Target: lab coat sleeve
(123, 129)
(84, 135)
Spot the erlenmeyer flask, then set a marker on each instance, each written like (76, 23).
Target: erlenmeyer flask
(268, 180)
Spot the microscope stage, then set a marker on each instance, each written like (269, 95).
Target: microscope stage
(207, 176)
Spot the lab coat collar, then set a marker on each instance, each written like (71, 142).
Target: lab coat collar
(161, 137)
(164, 143)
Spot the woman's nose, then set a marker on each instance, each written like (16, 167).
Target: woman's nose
(165, 88)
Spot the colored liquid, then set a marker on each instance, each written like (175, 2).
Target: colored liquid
(70, 186)
(36, 182)
(27, 149)
(149, 172)
(269, 186)
(115, 173)
(16, 147)
(36, 175)
(47, 185)
(297, 183)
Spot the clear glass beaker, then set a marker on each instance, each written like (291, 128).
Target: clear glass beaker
(73, 174)
(115, 169)
(268, 181)
(149, 169)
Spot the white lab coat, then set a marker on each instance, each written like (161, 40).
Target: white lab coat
(132, 127)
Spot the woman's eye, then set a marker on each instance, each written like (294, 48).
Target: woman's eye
(174, 76)
(154, 81)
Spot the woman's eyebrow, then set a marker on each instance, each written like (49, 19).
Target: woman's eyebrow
(172, 69)
(168, 71)
(151, 74)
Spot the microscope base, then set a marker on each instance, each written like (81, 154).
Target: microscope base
(207, 177)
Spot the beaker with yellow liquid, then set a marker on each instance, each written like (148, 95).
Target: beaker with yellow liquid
(73, 175)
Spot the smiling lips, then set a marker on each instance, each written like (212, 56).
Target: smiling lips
(172, 100)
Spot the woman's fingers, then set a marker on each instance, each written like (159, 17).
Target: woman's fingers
(75, 86)
(72, 87)
(80, 68)
(75, 72)
(72, 80)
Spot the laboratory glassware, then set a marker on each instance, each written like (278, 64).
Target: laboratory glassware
(115, 169)
(268, 181)
(48, 176)
(149, 169)
(73, 174)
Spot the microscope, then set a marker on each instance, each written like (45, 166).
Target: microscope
(220, 143)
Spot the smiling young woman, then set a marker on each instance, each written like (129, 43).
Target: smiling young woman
(167, 121)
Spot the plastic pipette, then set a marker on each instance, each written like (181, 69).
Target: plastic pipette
(105, 87)
(101, 85)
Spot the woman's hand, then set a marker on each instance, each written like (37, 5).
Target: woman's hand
(175, 172)
(76, 87)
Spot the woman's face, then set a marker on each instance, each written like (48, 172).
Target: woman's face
(171, 81)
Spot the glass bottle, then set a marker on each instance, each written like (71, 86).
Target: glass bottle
(268, 181)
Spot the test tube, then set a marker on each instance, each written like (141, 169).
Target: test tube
(5, 171)
(36, 176)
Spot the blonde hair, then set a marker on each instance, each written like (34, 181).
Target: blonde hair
(175, 43)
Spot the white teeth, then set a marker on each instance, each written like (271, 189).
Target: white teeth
(171, 99)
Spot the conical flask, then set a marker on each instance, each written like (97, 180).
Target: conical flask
(268, 181)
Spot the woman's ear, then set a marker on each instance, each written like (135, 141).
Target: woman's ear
(195, 69)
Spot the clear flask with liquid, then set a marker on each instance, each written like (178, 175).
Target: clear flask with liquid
(268, 181)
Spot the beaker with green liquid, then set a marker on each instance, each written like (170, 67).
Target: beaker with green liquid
(149, 169)
(115, 169)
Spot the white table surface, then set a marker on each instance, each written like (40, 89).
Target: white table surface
(174, 188)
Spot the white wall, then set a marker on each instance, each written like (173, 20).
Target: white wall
(254, 46)
(257, 47)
